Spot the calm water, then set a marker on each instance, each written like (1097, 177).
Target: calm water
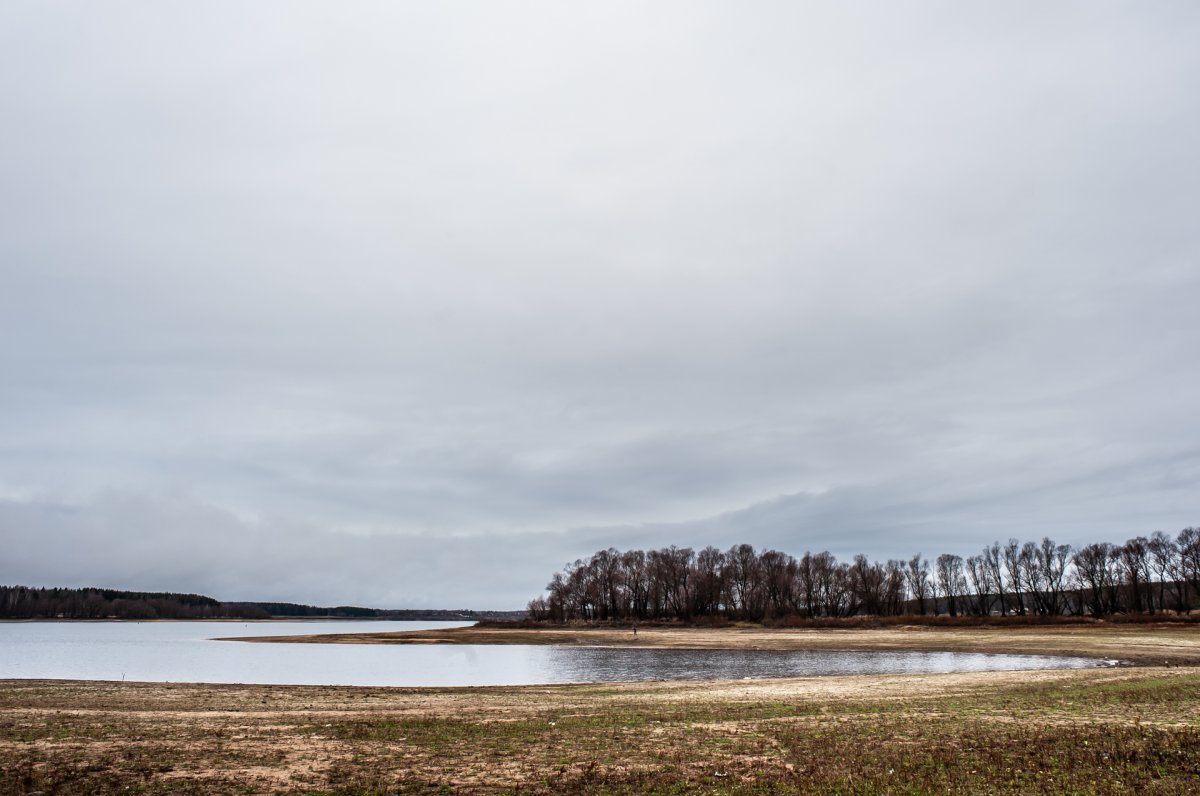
(185, 652)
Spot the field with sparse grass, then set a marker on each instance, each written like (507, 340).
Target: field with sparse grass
(1104, 730)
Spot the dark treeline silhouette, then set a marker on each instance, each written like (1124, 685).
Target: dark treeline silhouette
(299, 610)
(1145, 575)
(23, 602)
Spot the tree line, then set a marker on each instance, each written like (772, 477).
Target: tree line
(1149, 575)
(23, 602)
(279, 610)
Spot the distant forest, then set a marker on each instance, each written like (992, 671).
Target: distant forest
(1145, 575)
(23, 602)
(298, 611)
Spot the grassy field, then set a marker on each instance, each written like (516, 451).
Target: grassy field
(1117, 730)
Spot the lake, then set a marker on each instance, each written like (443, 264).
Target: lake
(186, 652)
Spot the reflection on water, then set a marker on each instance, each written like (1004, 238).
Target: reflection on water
(184, 652)
(641, 664)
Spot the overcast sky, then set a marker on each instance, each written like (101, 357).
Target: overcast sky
(411, 304)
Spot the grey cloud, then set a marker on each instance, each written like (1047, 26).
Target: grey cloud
(522, 271)
(174, 542)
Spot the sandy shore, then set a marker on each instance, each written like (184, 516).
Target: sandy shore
(1148, 645)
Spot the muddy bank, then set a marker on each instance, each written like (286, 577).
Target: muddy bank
(1146, 645)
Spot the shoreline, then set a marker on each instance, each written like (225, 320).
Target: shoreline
(1139, 645)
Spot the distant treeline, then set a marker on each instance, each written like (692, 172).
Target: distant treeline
(23, 602)
(1144, 575)
(296, 610)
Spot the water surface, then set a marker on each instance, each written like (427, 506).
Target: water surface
(185, 652)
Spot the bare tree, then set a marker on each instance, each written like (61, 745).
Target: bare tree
(1012, 565)
(1189, 562)
(867, 585)
(741, 580)
(1164, 557)
(950, 579)
(605, 568)
(1094, 569)
(992, 560)
(917, 574)
(981, 584)
(538, 609)
(807, 588)
(1030, 571)
(776, 581)
(894, 592)
(637, 583)
(1134, 556)
(709, 581)
(1053, 559)
(558, 601)
(834, 582)
(674, 568)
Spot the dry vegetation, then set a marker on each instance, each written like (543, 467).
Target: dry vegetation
(1069, 731)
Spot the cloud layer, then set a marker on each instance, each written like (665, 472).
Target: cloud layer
(410, 305)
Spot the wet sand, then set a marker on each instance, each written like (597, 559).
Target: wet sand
(1147, 645)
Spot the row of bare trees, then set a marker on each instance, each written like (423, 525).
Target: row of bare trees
(1144, 575)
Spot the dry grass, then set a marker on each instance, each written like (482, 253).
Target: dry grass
(1065, 731)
